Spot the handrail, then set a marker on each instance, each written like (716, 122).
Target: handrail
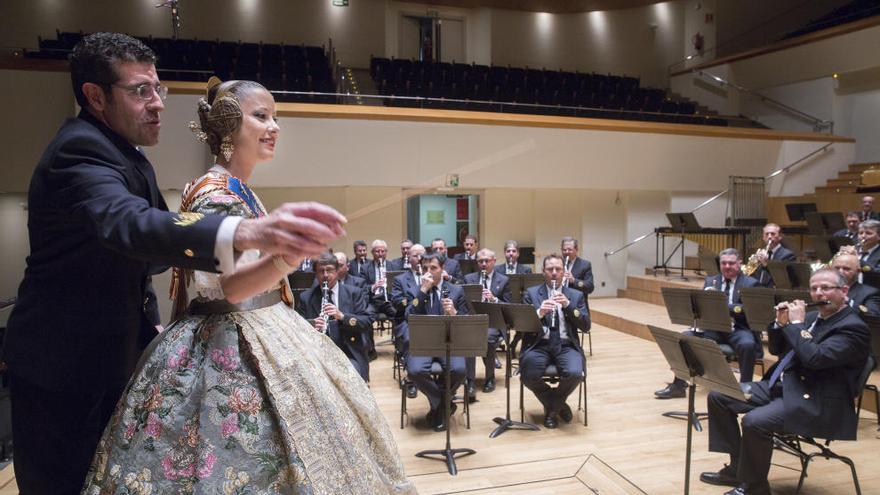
(818, 124)
(722, 193)
(503, 104)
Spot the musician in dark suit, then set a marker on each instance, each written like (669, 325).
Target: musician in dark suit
(744, 342)
(511, 264)
(345, 278)
(851, 231)
(402, 263)
(348, 318)
(495, 289)
(775, 251)
(451, 269)
(809, 392)
(563, 312)
(358, 264)
(863, 299)
(98, 229)
(868, 212)
(470, 249)
(869, 240)
(405, 290)
(436, 297)
(578, 272)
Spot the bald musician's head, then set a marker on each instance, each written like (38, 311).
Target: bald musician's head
(848, 266)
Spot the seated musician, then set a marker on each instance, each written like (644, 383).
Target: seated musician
(495, 289)
(578, 271)
(405, 290)
(436, 297)
(347, 317)
(773, 250)
(401, 264)
(470, 249)
(863, 299)
(851, 231)
(345, 278)
(563, 312)
(358, 264)
(451, 269)
(809, 392)
(744, 342)
(869, 239)
(511, 264)
(868, 212)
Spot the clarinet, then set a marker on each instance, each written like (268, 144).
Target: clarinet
(325, 299)
(508, 267)
(553, 314)
(483, 280)
(566, 268)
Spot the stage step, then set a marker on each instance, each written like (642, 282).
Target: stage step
(646, 288)
(844, 182)
(836, 189)
(861, 167)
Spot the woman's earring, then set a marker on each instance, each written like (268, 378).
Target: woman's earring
(226, 147)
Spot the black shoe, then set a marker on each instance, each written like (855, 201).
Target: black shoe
(550, 421)
(750, 489)
(489, 386)
(373, 355)
(411, 390)
(497, 364)
(672, 391)
(471, 391)
(565, 413)
(438, 422)
(725, 477)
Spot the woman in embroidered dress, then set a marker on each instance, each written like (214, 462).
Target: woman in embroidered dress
(242, 395)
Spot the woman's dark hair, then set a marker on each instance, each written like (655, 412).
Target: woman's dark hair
(93, 58)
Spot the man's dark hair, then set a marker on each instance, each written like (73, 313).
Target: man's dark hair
(551, 256)
(358, 243)
(426, 258)
(471, 237)
(326, 259)
(567, 239)
(95, 55)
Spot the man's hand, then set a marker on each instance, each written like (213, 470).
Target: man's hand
(446, 275)
(319, 324)
(488, 296)
(787, 312)
(559, 298)
(448, 307)
(426, 283)
(547, 307)
(293, 230)
(567, 276)
(332, 311)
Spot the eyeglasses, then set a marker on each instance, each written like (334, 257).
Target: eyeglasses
(823, 288)
(146, 91)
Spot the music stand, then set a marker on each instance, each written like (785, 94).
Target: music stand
(682, 222)
(696, 361)
(779, 272)
(797, 211)
(827, 246)
(472, 293)
(497, 319)
(759, 303)
(799, 274)
(460, 335)
(701, 310)
(871, 278)
(301, 280)
(709, 261)
(468, 266)
(825, 223)
(519, 282)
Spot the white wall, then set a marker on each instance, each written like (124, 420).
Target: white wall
(857, 117)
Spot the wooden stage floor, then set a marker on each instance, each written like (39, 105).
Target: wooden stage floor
(626, 439)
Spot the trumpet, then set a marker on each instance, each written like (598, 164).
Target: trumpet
(753, 263)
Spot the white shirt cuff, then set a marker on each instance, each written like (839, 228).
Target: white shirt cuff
(223, 251)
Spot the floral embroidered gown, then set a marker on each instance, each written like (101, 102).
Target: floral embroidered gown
(244, 402)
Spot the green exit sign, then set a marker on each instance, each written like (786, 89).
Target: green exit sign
(340, 3)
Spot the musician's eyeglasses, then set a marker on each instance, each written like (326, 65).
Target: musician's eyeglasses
(146, 91)
(823, 288)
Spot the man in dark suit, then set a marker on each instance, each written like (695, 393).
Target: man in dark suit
(563, 312)
(868, 212)
(451, 269)
(345, 278)
(436, 297)
(511, 264)
(809, 392)
(98, 229)
(495, 289)
(347, 315)
(869, 240)
(863, 299)
(405, 290)
(578, 272)
(402, 263)
(358, 264)
(744, 342)
(851, 231)
(470, 249)
(774, 250)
